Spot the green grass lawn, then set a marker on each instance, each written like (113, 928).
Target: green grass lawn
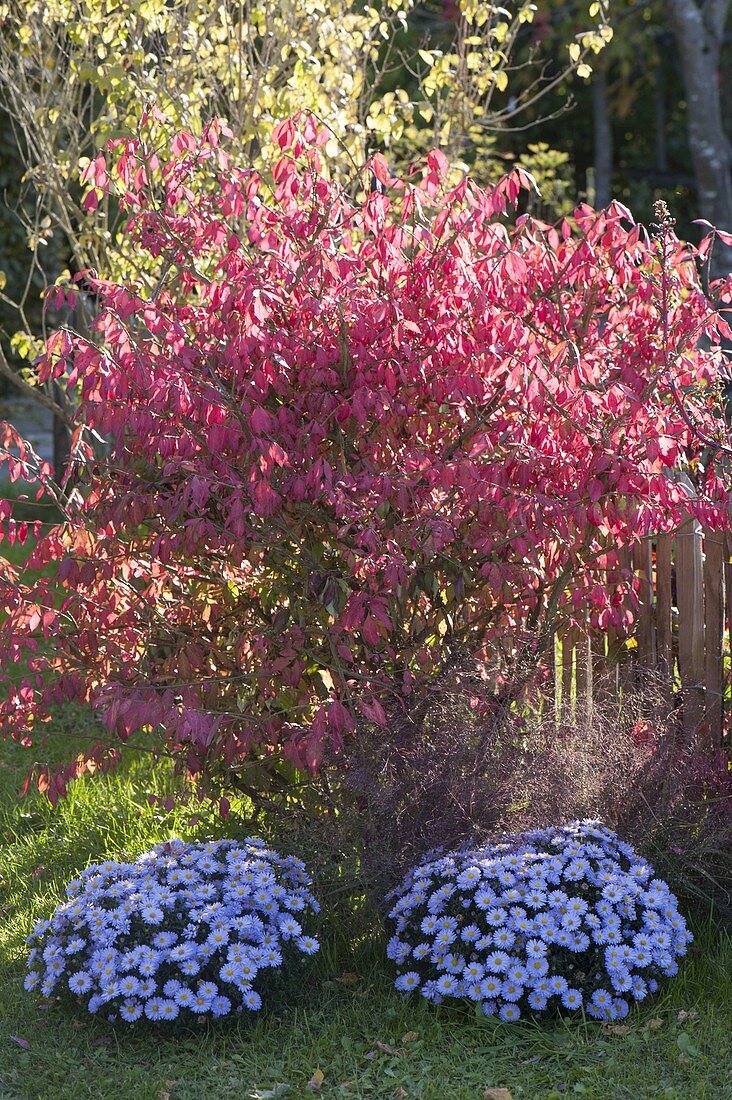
(346, 1022)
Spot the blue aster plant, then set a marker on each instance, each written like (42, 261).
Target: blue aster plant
(187, 930)
(558, 919)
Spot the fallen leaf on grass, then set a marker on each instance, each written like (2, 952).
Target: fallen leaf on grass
(348, 979)
(384, 1048)
(21, 1042)
(616, 1029)
(401, 1093)
(315, 1083)
(497, 1094)
(654, 1023)
(270, 1094)
(410, 1037)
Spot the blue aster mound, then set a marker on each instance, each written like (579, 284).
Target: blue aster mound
(552, 920)
(186, 930)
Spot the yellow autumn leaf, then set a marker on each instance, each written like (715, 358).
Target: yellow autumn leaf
(315, 1083)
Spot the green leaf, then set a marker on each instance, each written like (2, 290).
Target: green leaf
(686, 1046)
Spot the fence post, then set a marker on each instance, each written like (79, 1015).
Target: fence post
(550, 694)
(625, 662)
(727, 565)
(713, 632)
(642, 564)
(601, 670)
(567, 654)
(690, 602)
(664, 632)
(584, 674)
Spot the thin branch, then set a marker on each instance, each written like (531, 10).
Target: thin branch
(34, 392)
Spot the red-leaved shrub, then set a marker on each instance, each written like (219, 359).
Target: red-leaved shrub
(349, 433)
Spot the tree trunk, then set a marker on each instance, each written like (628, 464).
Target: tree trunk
(603, 139)
(699, 30)
(61, 438)
(660, 114)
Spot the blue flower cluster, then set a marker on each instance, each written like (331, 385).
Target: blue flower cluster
(186, 928)
(549, 920)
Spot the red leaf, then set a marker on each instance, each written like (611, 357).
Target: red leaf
(437, 160)
(283, 133)
(380, 167)
(373, 711)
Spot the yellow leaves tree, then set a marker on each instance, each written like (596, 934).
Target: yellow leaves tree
(75, 73)
(483, 68)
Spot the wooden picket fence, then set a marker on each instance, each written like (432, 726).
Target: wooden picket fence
(681, 637)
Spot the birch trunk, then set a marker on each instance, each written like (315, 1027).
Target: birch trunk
(699, 30)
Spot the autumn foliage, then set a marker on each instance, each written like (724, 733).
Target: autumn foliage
(352, 430)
